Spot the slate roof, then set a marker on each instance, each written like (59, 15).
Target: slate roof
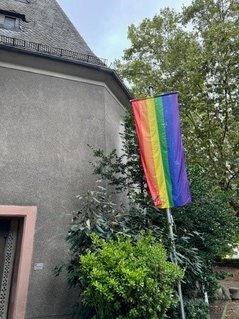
(46, 24)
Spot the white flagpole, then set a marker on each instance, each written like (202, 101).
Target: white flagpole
(173, 254)
(174, 258)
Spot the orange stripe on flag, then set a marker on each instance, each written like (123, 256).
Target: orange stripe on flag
(145, 142)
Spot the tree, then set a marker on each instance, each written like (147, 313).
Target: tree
(211, 224)
(195, 52)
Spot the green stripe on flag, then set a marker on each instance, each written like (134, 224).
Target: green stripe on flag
(163, 145)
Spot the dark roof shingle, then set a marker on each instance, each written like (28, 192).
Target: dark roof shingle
(46, 24)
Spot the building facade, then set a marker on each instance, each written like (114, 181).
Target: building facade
(56, 97)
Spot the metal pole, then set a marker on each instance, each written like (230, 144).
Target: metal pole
(174, 259)
(151, 91)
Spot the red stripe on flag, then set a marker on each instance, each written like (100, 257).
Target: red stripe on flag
(146, 151)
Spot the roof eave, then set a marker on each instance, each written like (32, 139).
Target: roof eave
(92, 66)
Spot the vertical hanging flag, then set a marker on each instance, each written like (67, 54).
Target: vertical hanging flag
(161, 149)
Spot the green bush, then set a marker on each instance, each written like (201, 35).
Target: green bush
(122, 279)
(194, 309)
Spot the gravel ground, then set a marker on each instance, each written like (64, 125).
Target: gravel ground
(232, 311)
(217, 308)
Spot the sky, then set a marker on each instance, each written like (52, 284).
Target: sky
(104, 23)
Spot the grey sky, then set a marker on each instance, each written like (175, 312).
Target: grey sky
(104, 23)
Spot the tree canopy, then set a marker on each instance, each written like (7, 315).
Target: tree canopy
(194, 52)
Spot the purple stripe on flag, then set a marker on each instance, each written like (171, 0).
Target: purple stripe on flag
(180, 187)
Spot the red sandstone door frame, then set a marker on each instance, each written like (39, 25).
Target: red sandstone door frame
(18, 298)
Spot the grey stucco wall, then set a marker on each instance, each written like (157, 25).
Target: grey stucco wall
(45, 125)
(113, 122)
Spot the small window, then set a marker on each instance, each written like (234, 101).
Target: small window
(9, 23)
(11, 20)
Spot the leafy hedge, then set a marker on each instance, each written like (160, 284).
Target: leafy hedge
(122, 279)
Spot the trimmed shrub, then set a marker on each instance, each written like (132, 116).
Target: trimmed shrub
(122, 279)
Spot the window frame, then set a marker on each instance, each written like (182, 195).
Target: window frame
(12, 28)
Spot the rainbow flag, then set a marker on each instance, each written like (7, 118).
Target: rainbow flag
(161, 149)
